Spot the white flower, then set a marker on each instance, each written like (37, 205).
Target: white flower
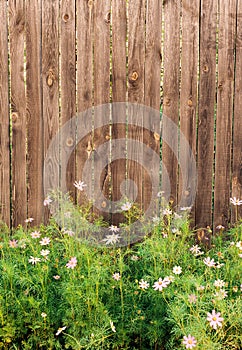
(239, 245)
(235, 201)
(219, 265)
(169, 279)
(156, 220)
(185, 208)
(177, 216)
(60, 330)
(47, 201)
(45, 241)
(43, 314)
(68, 232)
(29, 220)
(35, 234)
(196, 250)
(167, 211)
(200, 288)
(134, 258)
(116, 276)
(215, 319)
(45, 252)
(144, 284)
(114, 228)
(80, 185)
(111, 239)
(174, 230)
(219, 283)
(220, 227)
(34, 260)
(221, 294)
(160, 284)
(112, 326)
(240, 255)
(209, 262)
(177, 270)
(126, 206)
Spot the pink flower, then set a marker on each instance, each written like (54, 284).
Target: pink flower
(160, 284)
(47, 201)
(215, 319)
(13, 243)
(35, 234)
(72, 263)
(189, 341)
(45, 241)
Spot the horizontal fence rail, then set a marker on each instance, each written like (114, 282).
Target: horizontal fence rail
(81, 74)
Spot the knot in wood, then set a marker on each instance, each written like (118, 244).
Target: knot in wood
(108, 17)
(50, 78)
(189, 103)
(104, 204)
(107, 137)
(205, 68)
(156, 136)
(14, 117)
(90, 3)
(134, 76)
(69, 142)
(66, 17)
(167, 101)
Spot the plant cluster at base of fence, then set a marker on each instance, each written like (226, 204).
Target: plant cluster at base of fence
(168, 291)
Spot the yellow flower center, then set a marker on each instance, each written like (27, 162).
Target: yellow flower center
(214, 318)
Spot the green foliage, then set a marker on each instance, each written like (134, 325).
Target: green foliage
(44, 304)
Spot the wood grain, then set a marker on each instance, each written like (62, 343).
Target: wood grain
(207, 91)
(225, 95)
(119, 85)
(237, 127)
(136, 64)
(68, 89)
(188, 101)
(84, 66)
(152, 97)
(18, 109)
(101, 96)
(171, 95)
(34, 111)
(4, 119)
(50, 74)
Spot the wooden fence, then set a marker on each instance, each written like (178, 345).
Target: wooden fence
(59, 58)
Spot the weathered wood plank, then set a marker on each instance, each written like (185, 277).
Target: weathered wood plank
(188, 102)
(68, 88)
(4, 119)
(18, 109)
(50, 74)
(119, 84)
(136, 63)
(237, 135)
(34, 111)
(171, 96)
(207, 91)
(227, 26)
(152, 97)
(101, 96)
(84, 28)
